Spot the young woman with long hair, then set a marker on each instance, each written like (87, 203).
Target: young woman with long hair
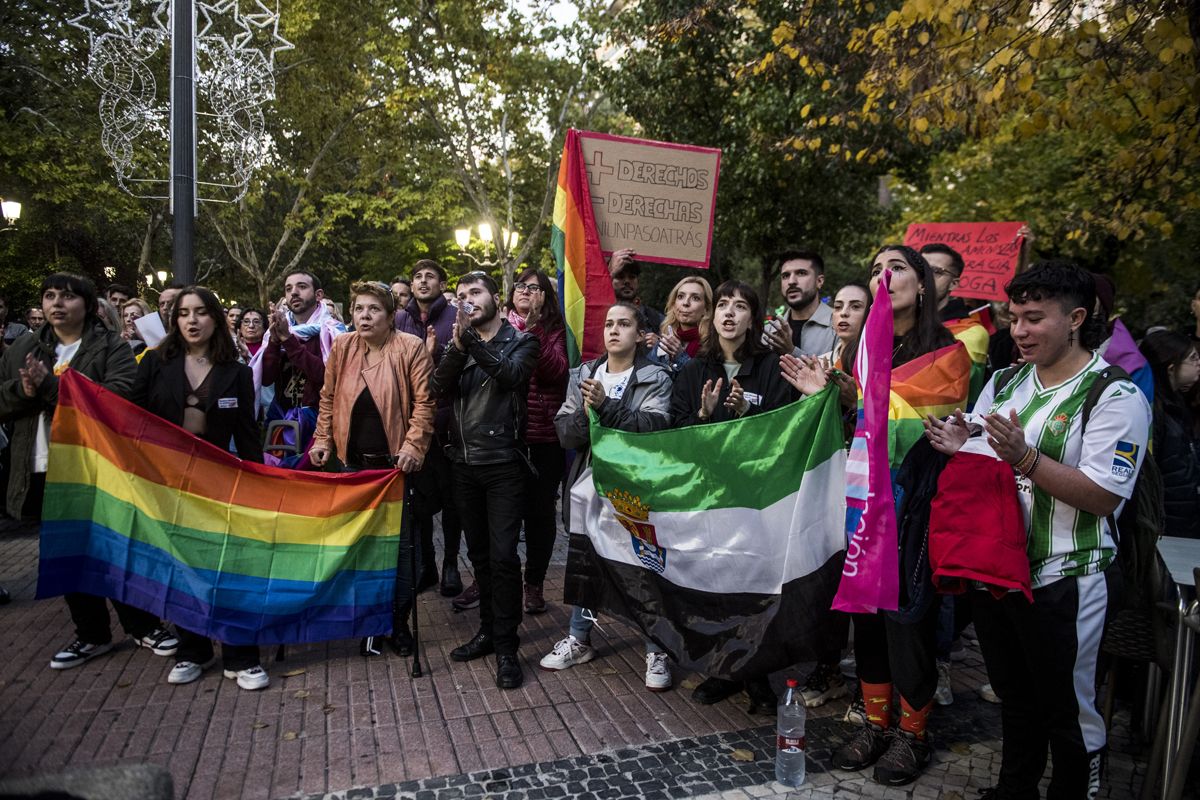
(193, 379)
(687, 324)
(534, 308)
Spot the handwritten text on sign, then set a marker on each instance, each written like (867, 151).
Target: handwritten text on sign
(990, 250)
(654, 197)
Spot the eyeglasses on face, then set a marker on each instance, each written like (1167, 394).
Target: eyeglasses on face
(941, 272)
(533, 287)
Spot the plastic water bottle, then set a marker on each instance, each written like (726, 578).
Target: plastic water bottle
(789, 748)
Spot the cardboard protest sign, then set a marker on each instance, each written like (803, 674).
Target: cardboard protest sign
(654, 197)
(990, 250)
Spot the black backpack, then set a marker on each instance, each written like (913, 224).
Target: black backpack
(1146, 582)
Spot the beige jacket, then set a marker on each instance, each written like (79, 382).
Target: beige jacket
(399, 386)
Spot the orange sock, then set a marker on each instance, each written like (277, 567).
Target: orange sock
(913, 720)
(877, 697)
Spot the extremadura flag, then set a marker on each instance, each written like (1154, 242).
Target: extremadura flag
(723, 543)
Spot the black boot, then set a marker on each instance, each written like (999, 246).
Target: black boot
(762, 697)
(401, 639)
(714, 690)
(452, 585)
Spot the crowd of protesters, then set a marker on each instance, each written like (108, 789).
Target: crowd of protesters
(471, 395)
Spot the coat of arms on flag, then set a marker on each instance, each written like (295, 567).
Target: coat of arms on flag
(634, 516)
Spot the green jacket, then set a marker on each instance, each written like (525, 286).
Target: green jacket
(103, 356)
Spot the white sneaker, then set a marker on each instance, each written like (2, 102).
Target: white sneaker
(250, 679)
(658, 672)
(567, 653)
(76, 653)
(187, 671)
(943, 695)
(988, 693)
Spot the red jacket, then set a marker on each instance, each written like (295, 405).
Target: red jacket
(977, 528)
(547, 386)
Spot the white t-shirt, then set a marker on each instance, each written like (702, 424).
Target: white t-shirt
(63, 354)
(614, 383)
(1063, 540)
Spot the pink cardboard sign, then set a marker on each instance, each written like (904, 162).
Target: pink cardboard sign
(990, 250)
(657, 198)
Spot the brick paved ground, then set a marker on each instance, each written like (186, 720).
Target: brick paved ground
(333, 722)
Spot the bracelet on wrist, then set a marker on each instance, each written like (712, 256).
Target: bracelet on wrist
(1026, 458)
(1037, 459)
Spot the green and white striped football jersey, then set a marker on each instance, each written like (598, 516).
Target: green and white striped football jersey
(1063, 540)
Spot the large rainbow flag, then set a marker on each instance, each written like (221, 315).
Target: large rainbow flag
(936, 383)
(141, 511)
(584, 282)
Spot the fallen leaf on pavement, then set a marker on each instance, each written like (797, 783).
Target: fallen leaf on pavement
(742, 755)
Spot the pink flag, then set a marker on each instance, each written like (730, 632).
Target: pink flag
(870, 577)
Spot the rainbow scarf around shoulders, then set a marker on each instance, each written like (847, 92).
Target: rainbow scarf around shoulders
(583, 279)
(141, 511)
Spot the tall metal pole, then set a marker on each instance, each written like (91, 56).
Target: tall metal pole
(183, 139)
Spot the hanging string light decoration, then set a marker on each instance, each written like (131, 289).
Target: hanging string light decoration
(235, 78)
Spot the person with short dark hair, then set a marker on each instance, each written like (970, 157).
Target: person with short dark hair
(809, 329)
(118, 294)
(430, 317)
(947, 265)
(485, 373)
(193, 380)
(1042, 656)
(377, 412)
(34, 318)
(300, 335)
(165, 298)
(9, 330)
(75, 337)
(534, 308)
(1176, 368)
(233, 316)
(402, 290)
(626, 272)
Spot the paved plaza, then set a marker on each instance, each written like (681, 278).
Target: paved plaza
(333, 724)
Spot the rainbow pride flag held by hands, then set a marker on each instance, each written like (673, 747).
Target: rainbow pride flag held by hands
(584, 282)
(141, 511)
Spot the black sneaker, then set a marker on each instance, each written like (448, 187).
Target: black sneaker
(77, 653)
(5, 597)
(159, 641)
(370, 646)
(905, 759)
(865, 747)
(824, 683)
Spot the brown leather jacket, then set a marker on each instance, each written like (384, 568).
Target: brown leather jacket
(399, 386)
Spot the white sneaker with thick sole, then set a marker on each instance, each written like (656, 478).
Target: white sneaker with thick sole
(77, 653)
(159, 641)
(824, 683)
(567, 653)
(988, 693)
(188, 671)
(250, 679)
(944, 694)
(658, 672)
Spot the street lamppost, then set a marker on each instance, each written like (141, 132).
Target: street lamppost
(11, 210)
(496, 252)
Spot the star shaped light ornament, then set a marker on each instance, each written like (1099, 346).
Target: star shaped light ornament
(235, 78)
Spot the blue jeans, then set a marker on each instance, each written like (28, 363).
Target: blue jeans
(581, 628)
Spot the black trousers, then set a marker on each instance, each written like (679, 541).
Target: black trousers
(1043, 661)
(901, 654)
(433, 492)
(92, 623)
(834, 631)
(542, 491)
(197, 648)
(491, 502)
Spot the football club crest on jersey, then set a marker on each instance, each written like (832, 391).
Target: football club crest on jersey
(1058, 425)
(634, 516)
(1125, 459)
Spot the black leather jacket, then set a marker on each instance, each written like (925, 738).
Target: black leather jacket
(487, 386)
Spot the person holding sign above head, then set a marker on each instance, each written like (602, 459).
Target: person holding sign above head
(809, 322)
(687, 325)
(733, 375)
(625, 271)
